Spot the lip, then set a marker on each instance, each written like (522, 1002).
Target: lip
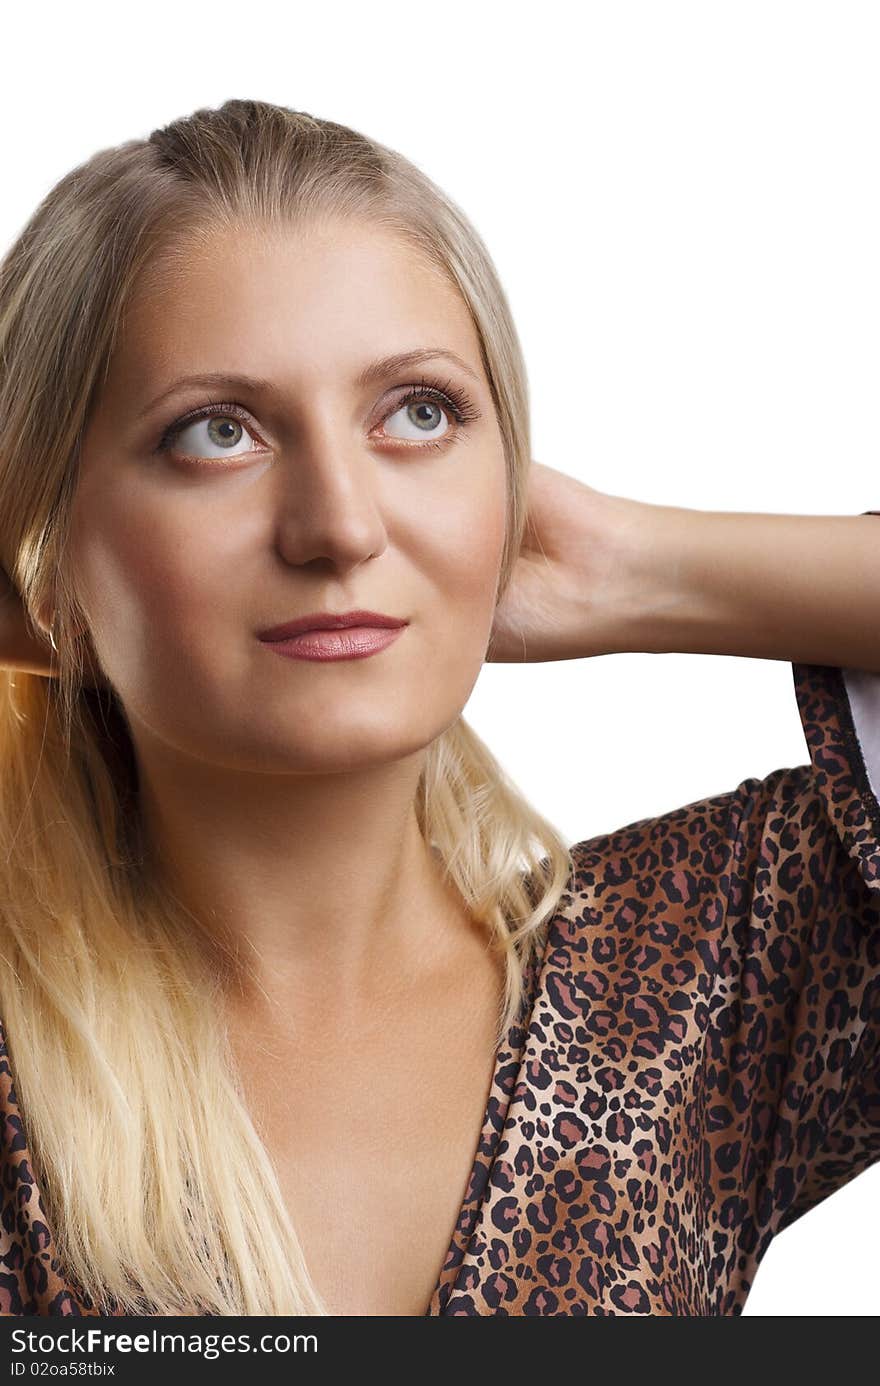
(329, 620)
(347, 642)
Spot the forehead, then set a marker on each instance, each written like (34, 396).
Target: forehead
(298, 303)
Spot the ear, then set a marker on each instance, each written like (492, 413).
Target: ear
(43, 621)
(92, 676)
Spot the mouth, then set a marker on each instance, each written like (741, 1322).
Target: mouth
(332, 621)
(341, 642)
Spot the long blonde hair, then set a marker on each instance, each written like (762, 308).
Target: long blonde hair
(161, 1194)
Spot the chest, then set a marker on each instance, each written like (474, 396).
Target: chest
(373, 1145)
(374, 1195)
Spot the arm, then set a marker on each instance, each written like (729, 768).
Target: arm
(604, 574)
(800, 588)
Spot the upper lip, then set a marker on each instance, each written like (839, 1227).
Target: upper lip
(329, 620)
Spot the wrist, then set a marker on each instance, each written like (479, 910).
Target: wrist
(661, 593)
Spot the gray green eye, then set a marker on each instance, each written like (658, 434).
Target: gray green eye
(423, 416)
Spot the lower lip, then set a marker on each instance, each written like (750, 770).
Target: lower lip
(352, 642)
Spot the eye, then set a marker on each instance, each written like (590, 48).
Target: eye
(420, 420)
(224, 432)
(422, 412)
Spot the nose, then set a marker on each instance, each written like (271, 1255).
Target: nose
(330, 507)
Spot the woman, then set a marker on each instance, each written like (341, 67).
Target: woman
(306, 1010)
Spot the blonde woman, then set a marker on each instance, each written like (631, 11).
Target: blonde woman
(304, 1009)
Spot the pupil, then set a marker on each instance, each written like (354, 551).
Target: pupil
(422, 409)
(223, 427)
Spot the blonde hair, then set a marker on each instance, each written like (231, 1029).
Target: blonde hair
(161, 1194)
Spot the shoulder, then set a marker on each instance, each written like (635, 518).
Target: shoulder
(644, 883)
(649, 905)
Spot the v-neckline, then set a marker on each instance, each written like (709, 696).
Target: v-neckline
(509, 1051)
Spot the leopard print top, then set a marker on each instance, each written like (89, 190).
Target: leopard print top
(695, 1065)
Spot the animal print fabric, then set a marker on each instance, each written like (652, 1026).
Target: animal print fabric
(694, 1068)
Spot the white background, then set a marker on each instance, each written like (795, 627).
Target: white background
(682, 202)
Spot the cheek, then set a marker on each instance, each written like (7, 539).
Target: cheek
(462, 537)
(473, 532)
(471, 556)
(148, 583)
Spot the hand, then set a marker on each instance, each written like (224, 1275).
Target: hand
(564, 599)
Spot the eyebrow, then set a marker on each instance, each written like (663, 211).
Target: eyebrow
(370, 375)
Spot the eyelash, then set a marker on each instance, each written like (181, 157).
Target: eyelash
(455, 400)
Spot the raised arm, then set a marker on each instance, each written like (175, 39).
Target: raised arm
(603, 574)
(802, 588)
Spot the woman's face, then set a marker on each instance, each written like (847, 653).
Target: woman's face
(309, 489)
